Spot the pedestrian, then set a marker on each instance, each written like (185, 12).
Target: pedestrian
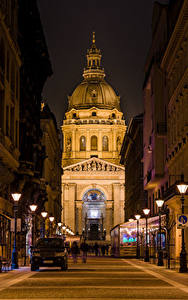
(84, 248)
(107, 249)
(74, 251)
(103, 248)
(96, 248)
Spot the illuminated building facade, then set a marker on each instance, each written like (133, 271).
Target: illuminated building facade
(93, 130)
(166, 110)
(9, 115)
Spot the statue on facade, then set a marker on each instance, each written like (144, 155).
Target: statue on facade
(69, 144)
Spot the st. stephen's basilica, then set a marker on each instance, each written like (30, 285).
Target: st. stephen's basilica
(93, 181)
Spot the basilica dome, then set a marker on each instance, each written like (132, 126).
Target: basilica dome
(94, 91)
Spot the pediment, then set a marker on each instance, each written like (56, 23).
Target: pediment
(94, 165)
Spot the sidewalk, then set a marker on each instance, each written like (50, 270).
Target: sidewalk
(174, 264)
(172, 274)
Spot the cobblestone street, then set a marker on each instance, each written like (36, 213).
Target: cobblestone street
(99, 278)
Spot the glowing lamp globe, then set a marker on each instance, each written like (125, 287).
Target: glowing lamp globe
(33, 207)
(182, 188)
(63, 227)
(16, 196)
(137, 217)
(159, 202)
(51, 219)
(146, 211)
(44, 214)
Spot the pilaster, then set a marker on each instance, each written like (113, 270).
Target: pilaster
(117, 207)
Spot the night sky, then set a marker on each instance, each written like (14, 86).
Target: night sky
(123, 33)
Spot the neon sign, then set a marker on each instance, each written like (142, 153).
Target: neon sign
(128, 239)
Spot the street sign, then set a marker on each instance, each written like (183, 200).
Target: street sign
(182, 221)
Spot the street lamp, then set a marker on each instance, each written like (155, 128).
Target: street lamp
(146, 212)
(160, 203)
(64, 231)
(182, 187)
(44, 215)
(16, 198)
(59, 229)
(51, 221)
(33, 208)
(137, 217)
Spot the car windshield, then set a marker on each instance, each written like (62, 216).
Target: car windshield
(50, 243)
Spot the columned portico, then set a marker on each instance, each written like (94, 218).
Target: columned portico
(93, 200)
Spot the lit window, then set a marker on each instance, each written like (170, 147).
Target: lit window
(105, 143)
(82, 143)
(94, 142)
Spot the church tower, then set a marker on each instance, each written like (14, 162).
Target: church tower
(93, 130)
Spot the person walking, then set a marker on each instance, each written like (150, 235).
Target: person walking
(96, 248)
(107, 249)
(103, 248)
(74, 251)
(84, 248)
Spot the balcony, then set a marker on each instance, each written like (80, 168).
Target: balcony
(93, 121)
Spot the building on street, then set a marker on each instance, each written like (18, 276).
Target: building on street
(51, 172)
(93, 130)
(165, 114)
(10, 63)
(132, 159)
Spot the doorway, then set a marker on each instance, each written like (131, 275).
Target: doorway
(93, 214)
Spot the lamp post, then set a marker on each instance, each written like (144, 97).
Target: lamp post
(146, 212)
(182, 187)
(64, 232)
(33, 208)
(16, 198)
(44, 215)
(160, 203)
(137, 217)
(59, 227)
(51, 221)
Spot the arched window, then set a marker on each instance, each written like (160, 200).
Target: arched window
(105, 143)
(82, 143)
(94, 142)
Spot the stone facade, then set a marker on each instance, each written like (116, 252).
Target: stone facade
(166, 111)
(10, 63)
(93, 130)
(132, 159)
(51, 172)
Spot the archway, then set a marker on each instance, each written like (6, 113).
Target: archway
(93, 214)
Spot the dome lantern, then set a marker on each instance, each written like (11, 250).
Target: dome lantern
(94, 69)
(94, 91)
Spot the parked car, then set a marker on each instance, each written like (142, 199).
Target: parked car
(49, 252)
